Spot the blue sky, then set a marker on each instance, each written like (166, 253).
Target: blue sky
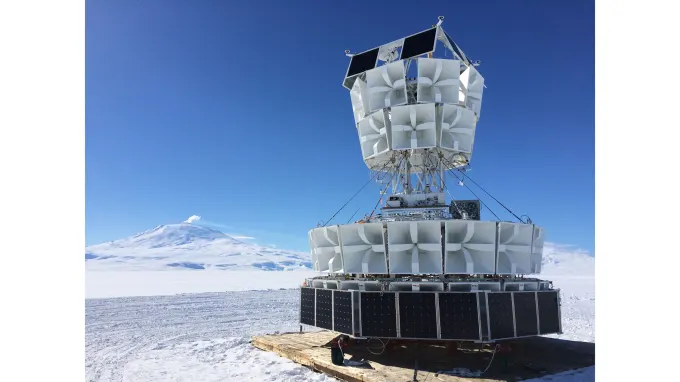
(234, 111)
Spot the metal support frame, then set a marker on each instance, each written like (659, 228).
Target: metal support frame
(361, 329)
(354, 329)
(538, 316)
(488, 319)
(488, 316)
(397, 315)
(479, 317)
(438, 318)
(559, 308)
(514, 319)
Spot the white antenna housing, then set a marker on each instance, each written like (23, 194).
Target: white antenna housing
(421, 267)
(416, 109)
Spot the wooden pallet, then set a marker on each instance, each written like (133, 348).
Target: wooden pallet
(529, 358)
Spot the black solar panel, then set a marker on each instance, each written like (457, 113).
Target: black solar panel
(500, 315)
(418, 44)
(455, 48)
(324, 309)
(307, 306)
(362, 62)
(378, 314)
(459, 316)
(417, 315)
(342, 309)
(525, 313)
(349, 82)
(548, 312)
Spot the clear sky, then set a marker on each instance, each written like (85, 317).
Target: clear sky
(234, 111)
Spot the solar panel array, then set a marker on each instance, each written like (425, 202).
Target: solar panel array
(412, 46)
(464, 316)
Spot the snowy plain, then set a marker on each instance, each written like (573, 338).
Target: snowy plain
(204, 336)
(105, 284)
(150, 322)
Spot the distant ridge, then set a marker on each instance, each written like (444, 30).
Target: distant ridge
(193, 247)
(189, 246)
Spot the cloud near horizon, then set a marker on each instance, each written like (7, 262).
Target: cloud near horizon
(241, 237)
(192, 219)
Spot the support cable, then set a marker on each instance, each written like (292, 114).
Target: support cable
(466, 186)
(492, 197)
(356, 193)
(384, 190)
(379, 199)
(350, 218)
(451, 196)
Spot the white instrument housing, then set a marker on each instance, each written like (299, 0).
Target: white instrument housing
(436, 110)
(416, 116)
(428, 247)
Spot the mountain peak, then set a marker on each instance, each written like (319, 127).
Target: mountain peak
(189, 246)
(172, 235)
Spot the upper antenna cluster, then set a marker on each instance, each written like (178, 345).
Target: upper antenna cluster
(417, 98)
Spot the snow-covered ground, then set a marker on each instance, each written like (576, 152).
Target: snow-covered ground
(103, 284)
(149, 318)
(204, 337)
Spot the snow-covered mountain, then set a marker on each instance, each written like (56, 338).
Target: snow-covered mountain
(189, 246)
(567, 261)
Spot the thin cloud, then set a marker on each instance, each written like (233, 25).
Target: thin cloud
(242, 237)
(192, 219)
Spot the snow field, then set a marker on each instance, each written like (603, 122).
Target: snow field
(204, 337)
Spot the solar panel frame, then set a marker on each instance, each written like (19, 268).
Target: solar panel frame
(343, 314)
(526, 313)
(387, 321)
(308, 306)
(500, 310)
(367, 54)
(324, 308)
(549, 314)
(405, 50)
(447, 302)
(412, 323)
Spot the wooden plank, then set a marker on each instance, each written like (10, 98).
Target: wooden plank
(530, 358)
